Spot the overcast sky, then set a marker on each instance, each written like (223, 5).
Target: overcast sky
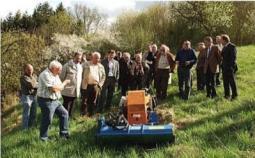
(112, 8)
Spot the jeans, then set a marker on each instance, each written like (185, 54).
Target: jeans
(68, 103)
(162, 77)
(48, 108)
(29, 110)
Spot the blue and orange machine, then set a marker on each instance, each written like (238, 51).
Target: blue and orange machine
(136, 123)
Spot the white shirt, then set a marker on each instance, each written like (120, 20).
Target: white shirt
(208, 52)
(46, 81)
(163, 62)
(110, 65)
(93, 75)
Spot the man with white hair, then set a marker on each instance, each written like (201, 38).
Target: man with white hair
(92, 82)
(48, 93)
(72, 71)
(164, 64)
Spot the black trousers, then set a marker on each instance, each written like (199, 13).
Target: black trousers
(68, 104)
(229, 82)
(124, 89)
(92, 93)
(210, 83)
(137, 83)
(107, 93)
(200, 79)
(218, 76)
(149, 78)
(161, 83)
(184, 82)
(83, 101)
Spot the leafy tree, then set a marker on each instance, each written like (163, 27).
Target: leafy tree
(60, 8)
(63, 46)
(17, 50)
(243, 24)
(61, 22)
(42, 13)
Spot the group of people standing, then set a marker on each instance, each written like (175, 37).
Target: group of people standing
(95, 80)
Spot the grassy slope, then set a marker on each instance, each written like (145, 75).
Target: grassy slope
(206, 128)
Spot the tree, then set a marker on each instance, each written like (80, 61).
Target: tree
(61, 22)
(63, 46)
(90, 19)
(212, 17)
(42, 13)
(60, 8)
(17, 50)
(243, 24)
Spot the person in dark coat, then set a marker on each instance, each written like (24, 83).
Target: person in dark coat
(185, 59)
(111, 67)
(229, 67)
(125, 78)
(200, 67)
(150, 57)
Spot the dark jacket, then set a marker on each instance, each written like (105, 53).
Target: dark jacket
(105, 63)
(201, 60)
(28, 84)
(139, 73)
(229, 58)
(186, 55)
(125, 71)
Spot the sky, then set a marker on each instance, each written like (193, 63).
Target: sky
(111, 8)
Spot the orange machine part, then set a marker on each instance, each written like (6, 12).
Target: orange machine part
(136, 107)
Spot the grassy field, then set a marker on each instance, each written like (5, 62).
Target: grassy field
(204, 127)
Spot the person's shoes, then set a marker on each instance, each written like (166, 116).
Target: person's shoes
(45, 139)
(214, 96)
(65, 136)
(208, 96)
(233, 97)
(226, 97)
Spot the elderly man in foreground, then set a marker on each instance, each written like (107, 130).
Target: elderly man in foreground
(49, 94)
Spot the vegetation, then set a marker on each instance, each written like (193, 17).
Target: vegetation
(168, 23)
(204, 127)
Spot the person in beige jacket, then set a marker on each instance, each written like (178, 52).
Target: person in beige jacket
(72, 71)
(92, 82)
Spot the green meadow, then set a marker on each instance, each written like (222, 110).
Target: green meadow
(203, 127)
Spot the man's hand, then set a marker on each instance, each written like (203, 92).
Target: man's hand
(66, 82)
(187, 63)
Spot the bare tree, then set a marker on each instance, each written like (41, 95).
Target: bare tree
(90, 19)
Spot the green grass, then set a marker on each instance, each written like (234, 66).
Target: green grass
(204, 127)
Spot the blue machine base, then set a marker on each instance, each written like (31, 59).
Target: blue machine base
(146, 134)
